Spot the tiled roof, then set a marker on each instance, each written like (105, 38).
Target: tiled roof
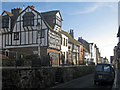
(72, 40)
(10, 14)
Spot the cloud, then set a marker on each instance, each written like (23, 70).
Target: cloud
(93, 8)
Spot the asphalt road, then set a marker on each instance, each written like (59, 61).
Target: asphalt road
(82, 82)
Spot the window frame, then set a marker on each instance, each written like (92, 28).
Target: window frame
(28, 21)
(16, 37)
(5, 22)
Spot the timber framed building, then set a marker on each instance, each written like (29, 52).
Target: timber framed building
(22, 31)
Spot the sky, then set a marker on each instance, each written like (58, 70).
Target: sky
(96, 22)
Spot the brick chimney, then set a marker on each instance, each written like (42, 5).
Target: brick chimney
(16, 12)
(71, 33)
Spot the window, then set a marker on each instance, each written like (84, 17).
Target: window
(58, 21)
(28, 19)
(5, 22)
(106, 68)
(16, 35)
(66, 42)
(68, 47)
(99, 68)
(61, 41)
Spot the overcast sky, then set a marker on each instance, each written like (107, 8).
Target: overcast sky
(96, 22)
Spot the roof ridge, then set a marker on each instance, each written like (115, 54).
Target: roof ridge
(10, 14)
(50, 11)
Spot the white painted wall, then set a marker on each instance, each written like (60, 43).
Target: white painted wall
(56, 27)
(64, 48)
(93, 51)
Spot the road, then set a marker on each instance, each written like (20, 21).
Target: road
(82, 82)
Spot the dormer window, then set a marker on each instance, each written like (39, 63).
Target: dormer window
(58, 21)
(5, 22)
(28, 19)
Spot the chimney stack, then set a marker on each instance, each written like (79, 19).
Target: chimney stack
(71, 33)
(16, 12)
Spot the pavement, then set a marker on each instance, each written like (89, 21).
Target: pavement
(116, 84)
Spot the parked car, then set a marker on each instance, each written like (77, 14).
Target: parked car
(104, 73)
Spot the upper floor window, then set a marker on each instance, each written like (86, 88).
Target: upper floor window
(5, 22)
(58, 21)
(66, 42)
(28, 19)
(16, 35)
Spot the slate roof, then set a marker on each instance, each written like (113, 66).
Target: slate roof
(51, 12)
(54, 11)
(84, 43)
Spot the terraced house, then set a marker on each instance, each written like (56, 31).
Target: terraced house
(23, 30)
(75, 49)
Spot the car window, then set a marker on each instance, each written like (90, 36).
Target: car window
(99, 68)
(106, 68)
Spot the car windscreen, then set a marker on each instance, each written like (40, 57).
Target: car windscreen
(105, 68)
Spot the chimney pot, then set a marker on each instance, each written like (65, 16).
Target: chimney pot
(32, 7)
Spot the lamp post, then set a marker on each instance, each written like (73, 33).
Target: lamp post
(39, 38)
(39, 43)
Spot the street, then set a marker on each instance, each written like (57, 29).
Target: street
(83, 82)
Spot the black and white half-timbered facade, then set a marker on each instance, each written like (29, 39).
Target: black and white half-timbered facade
(23, 31)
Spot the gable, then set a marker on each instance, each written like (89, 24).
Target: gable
(4, 13)
(7, 13)
(37, 19)
(59, 15)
